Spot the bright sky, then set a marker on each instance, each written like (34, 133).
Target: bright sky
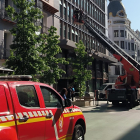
(132, 8)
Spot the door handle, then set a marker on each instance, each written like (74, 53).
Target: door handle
(49, 115)
(24, 119)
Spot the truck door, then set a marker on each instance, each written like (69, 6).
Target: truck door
(53, 104)
(7, 120)
(30, 116)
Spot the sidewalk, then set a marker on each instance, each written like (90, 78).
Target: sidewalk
(93, 105)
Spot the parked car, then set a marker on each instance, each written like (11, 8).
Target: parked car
(35, 111)
(102, 91)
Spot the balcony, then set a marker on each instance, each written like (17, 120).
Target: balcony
(48, 7)
(4, 16)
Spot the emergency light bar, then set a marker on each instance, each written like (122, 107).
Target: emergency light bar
(16, 78)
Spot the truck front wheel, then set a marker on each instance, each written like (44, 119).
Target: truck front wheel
(78, 133)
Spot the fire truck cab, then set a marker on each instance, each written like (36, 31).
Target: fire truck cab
(35, 111)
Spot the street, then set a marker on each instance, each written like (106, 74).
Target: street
(107, 122)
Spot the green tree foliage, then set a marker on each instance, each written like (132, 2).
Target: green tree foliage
(79, 65)
(24, 58)
(50, 50)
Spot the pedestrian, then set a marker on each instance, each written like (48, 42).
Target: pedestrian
(64, 93)
(69, 92)
(72, 93)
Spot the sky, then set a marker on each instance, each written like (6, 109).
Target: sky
(132, 8)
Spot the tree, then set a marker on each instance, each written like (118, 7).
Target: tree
(24, 58)
(79, 65)
(49, 50)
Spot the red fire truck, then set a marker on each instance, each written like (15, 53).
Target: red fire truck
(35, 111)
(127, 86)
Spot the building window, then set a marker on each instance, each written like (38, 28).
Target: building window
(95, 14)
(87, 7)
(93, 45)
(82, 38)
(101, 19)
(6, 3)
(79, 35)
(71, 14)
(64, 29)
(60, 29)
(122, 44)
(68, 32)
(76, 36)
(68, 11)
(78, 2)
(132, 46)
(138, 52)
(125, 34)
(133, 56)
(72, 35)
(135, 47)
(85, 41)
(128, 45)
(92, 12)
(99, 16)
(117, 42)
(60, 7)
(82, 3)
(64, 10)
(116, 33)
(121, 33)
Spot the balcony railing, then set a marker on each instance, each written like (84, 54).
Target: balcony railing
(4, 16)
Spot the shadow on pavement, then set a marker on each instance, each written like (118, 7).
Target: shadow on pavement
(133, 134)
(106, 108)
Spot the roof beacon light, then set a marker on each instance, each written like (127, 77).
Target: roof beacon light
(16, 78)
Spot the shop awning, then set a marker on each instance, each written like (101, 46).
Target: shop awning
(2, 69)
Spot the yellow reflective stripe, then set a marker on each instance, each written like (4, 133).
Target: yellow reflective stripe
(73, 114)
(39, 119)
(66, 137)
(12, 123)
(7, 124)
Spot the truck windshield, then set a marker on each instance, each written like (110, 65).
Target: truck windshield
(102, 87)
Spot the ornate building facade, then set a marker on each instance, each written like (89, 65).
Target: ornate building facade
(119, 30)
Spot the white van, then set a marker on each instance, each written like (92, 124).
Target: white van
(102, 91)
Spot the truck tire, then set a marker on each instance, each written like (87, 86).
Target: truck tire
(78, 133)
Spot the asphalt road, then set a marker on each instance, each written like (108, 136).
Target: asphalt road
(107, 122)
